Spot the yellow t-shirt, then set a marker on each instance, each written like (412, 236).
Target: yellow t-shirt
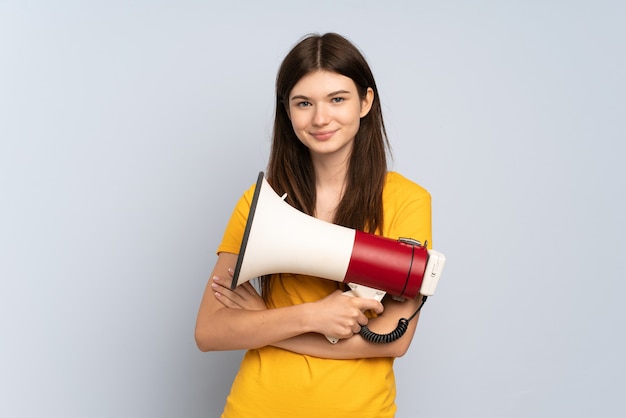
(275, 383)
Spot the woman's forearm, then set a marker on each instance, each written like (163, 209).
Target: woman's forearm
(238, 329)
(317, 345)
(221, 328)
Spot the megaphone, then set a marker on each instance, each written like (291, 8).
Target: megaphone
(278, 238)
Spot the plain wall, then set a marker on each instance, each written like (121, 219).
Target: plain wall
(128, 130)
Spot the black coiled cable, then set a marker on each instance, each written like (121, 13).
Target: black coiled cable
(403, 325)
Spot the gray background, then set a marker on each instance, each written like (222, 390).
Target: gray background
(130, 128)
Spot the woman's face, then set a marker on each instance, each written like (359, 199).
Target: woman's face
(325, 111)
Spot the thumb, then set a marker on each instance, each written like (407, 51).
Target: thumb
(366, 304)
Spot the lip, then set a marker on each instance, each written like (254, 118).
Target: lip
(323, 135)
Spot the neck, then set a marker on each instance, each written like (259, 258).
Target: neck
(330, 177)
(330, 181)
(330, 172)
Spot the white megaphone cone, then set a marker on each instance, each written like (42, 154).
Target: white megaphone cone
(280, 239)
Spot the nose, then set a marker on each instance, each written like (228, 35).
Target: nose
(321, 116)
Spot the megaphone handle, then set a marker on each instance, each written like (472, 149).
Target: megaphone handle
(360, 291)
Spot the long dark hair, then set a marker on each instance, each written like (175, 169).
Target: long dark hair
(290, 169)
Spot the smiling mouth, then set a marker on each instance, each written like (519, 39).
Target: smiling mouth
(322, 135)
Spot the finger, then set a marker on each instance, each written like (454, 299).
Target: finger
(362, 320)
(224, 282)
(244, 291)
(366, 304)
(219, 287)
(227, 302)
(249, 288)
(224, 291)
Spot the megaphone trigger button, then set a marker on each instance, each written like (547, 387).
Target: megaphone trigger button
(435, 269)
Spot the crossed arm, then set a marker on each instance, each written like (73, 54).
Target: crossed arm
(239, 319)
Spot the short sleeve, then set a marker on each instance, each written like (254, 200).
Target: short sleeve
(407, 210)
(233, 234)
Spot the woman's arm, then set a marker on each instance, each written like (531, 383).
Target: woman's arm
(223, 327)
(356, 346)
(315, 344)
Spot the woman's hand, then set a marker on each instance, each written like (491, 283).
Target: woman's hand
(239, 320)
(244, 296)
(341, 316)
(355, 346)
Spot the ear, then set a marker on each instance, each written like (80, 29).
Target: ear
(366, 102)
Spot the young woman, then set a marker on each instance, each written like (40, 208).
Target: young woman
(329, 155)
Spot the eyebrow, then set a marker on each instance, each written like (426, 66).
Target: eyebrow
(334, 93)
